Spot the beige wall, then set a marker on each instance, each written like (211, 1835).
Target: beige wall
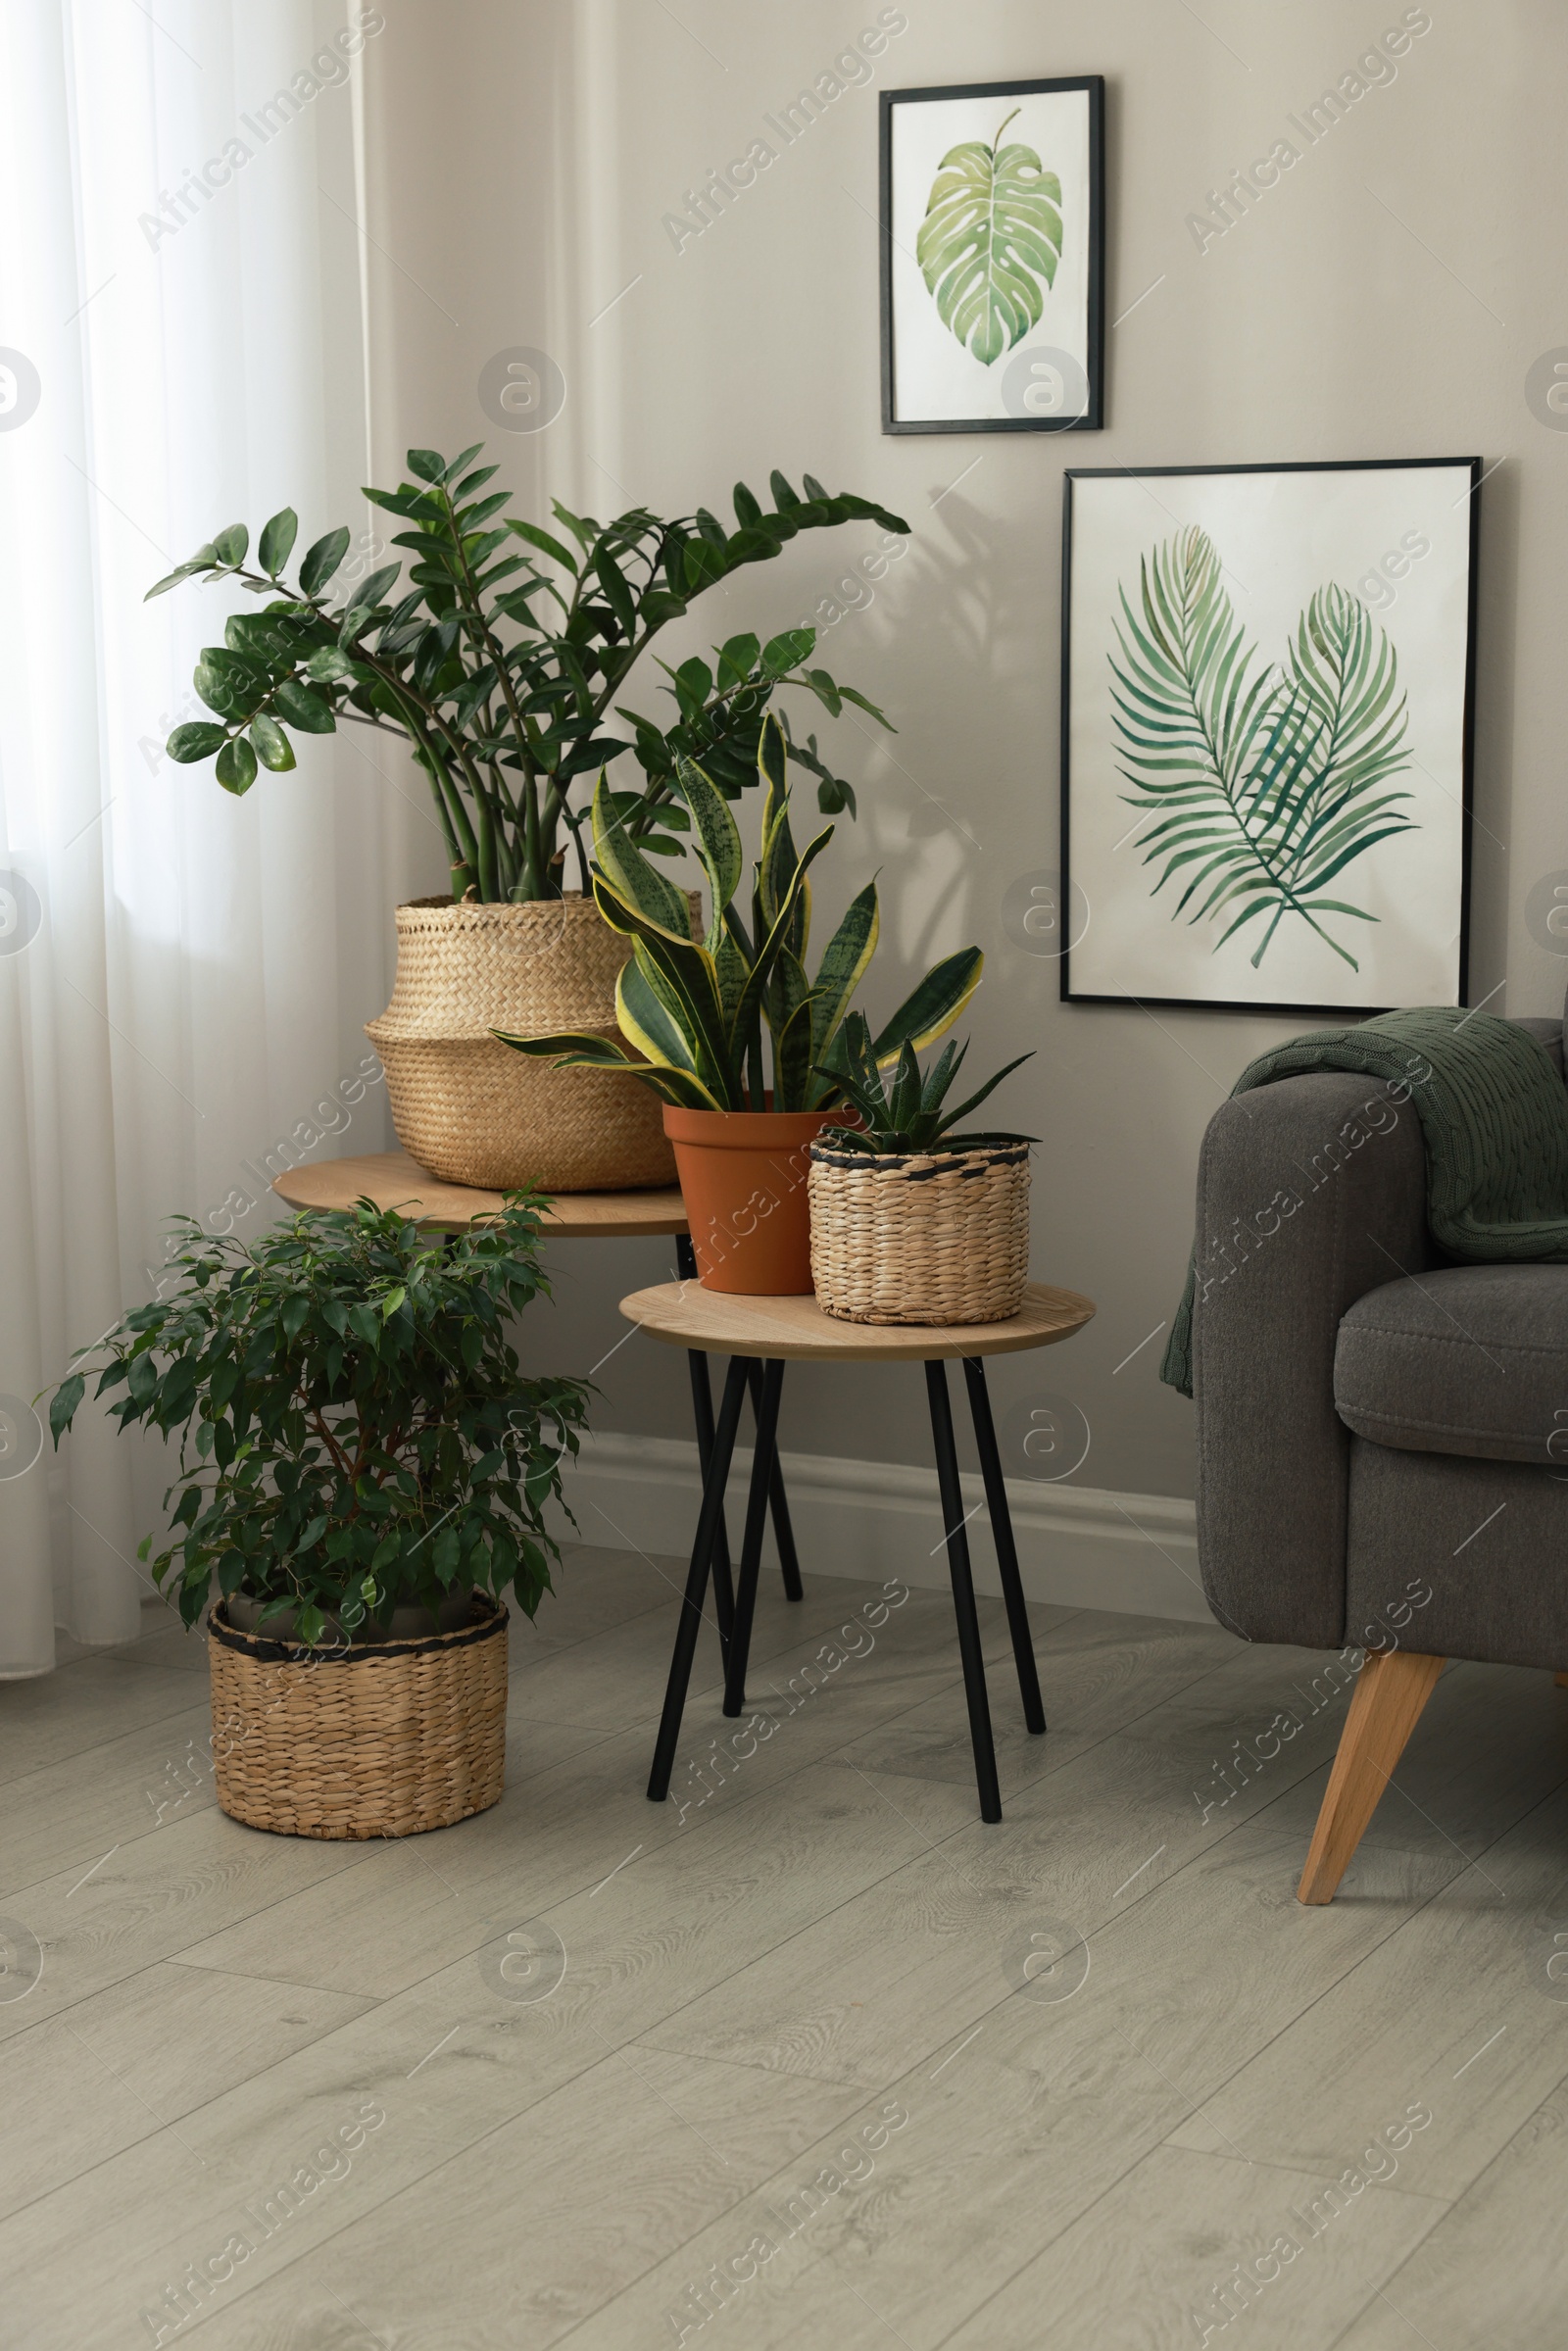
(1386, 299)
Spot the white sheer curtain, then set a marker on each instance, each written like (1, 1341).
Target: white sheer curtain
(182, 976)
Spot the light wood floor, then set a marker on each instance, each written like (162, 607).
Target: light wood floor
(824, 2066)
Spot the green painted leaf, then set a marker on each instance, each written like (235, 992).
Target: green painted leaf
(990, 242)
(1259, 784)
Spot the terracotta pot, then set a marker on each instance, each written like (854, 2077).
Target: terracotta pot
(471, 1110)
(744, 1176)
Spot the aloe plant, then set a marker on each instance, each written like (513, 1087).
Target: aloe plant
(693, 1014)
(910, 1114)
(1263, 782)
(503, 675)
(990, 242)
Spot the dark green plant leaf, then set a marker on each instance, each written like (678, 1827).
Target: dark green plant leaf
(270, 743)
(276, 542)
(230, 545)
(786, 651)
(197, 739)
(236, 765)
(934, 1005)
(303, 708)
(322, 559)
(543, 541)
(204, 560)
(616, 589)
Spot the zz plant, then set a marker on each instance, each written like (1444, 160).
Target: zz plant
(503, 673)
(912, 1115)
(694, 1014)
(353, 1429)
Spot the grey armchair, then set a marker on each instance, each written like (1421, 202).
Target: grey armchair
(1382, 1434)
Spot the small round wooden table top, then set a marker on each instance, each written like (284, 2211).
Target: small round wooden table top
(395, 1180)
(720, 1323)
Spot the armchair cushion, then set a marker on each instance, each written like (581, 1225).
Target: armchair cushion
(1469, 1359)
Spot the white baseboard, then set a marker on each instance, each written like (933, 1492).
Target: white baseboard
(1079, 1546)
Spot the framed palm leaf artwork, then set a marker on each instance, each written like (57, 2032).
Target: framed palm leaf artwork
(1267, 693)
(992, 257)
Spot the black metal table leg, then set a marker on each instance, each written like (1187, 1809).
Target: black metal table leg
(985, 1437)
(764, 1463)
(778, 1500)
(778, 1504)
(702, 1415)
(974, 1671)
(691, 1614)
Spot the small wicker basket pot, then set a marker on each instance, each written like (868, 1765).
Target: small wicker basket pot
(383, 1740)
(467, 1108)
(940, 1237)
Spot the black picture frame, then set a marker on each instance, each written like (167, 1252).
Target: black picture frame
(1204, 1003)
(1092, 418)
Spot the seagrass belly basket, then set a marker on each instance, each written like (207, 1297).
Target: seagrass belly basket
(920, 1237)
(382, 1739)
(472, 1111)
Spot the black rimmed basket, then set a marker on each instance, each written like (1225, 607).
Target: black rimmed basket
(924, 1237)
(385, 1738)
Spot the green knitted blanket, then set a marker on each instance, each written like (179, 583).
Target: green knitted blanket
(1494, 1118)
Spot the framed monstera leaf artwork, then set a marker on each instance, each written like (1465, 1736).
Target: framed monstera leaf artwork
(992, 257)
(1267, 693)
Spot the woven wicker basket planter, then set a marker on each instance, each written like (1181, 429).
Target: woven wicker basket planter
(383, 1740)
(471, 1110)
(939, 1238)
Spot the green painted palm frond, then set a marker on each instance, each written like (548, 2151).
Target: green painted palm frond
(990, 242)
(1262, 783)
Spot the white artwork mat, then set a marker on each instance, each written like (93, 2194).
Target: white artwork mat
(935, 379)
(1398, 539)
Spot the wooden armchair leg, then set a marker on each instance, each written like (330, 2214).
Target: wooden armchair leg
(1385, 1707)
(1562, 1681)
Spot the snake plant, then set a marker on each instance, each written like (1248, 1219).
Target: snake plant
(910, 1115)
(504, 701)
(693, 1013)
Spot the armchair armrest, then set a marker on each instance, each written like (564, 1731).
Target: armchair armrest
(1310, 1193)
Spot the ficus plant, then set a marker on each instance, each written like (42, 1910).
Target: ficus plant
(503, 659)
(353, 1429)
(694, 1014)
(911, 1114)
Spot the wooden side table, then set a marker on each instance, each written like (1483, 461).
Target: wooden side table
(392, 1180)
(761, 1335)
